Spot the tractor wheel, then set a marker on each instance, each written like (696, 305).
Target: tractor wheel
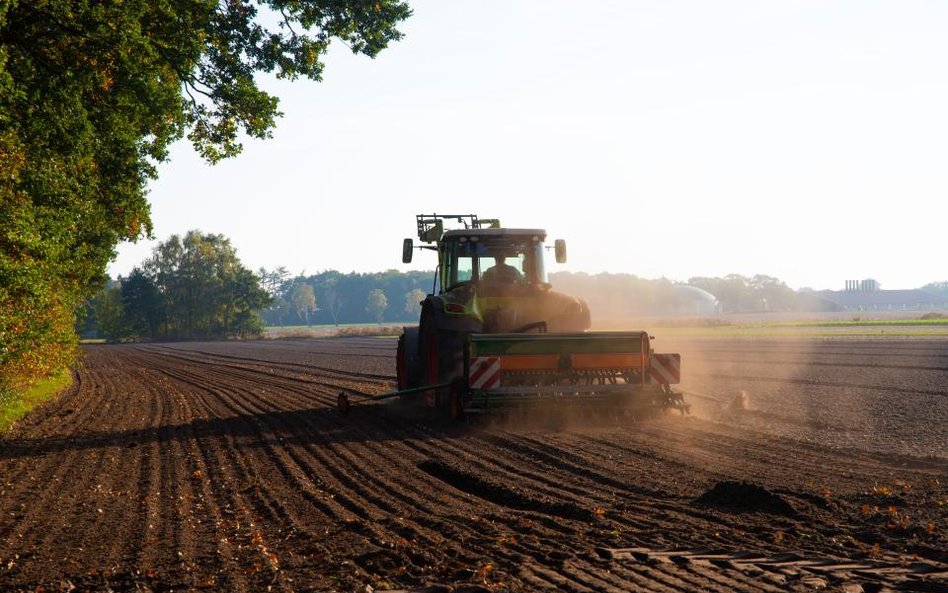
(401, 365)
(408, 371)
(440, 355)
(429, 350)
(432, 357)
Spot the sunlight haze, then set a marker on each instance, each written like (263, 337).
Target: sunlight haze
(802, 140)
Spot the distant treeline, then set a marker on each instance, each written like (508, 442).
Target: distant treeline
(620, 296)
(195, 288)
(937, 288)
(332, 297)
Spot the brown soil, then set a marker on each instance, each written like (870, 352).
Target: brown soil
(225, 467)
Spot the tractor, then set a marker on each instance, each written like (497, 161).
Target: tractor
(493, 333)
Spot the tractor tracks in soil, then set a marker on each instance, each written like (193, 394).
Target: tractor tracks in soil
(224, 467)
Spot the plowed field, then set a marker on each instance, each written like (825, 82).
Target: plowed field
(225, 467)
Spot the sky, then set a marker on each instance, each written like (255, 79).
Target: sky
(806, 140)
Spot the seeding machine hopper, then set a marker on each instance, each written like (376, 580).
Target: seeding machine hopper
(494, 334)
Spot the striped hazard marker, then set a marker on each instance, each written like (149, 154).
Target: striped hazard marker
(484, 373)
(665, 369)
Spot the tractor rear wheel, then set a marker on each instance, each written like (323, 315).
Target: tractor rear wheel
(440, 356)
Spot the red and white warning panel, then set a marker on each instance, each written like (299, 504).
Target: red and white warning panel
(665, 368)
(485, 372)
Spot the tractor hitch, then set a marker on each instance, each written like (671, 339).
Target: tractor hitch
(343, 404)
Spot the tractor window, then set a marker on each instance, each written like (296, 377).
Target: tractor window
(500, 269)
(465, 269)
(466, 260)
(533, 266)
(459, 264)
(525, 257)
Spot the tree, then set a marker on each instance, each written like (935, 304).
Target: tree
(110, 313)
(272, 280)
(773, 294)
(91, 96)
(247, 299)
(334, 304)
(275, 283)
(142, 303)
(376, 304)
(304, 300)
(413, 299)
(205, 291)
(939, 288)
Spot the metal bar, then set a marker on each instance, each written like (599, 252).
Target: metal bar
(557, 389)
(411, 391)
(343, 405)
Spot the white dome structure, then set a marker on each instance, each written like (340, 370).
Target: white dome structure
(695, 301)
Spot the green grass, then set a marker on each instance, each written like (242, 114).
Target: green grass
(853, 327)
(14, 405)
(858, 323)
(802, 332)
(725, 326)
(869, 328)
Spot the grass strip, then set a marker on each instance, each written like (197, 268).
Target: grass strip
(16, 404)
(857, 323)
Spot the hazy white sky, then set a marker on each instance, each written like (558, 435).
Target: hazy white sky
(806, 140)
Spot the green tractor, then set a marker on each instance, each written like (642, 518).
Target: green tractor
(494, 333)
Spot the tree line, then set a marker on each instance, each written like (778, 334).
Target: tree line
(622, 296)
(332, 297)
(195, 288)
(192, 287)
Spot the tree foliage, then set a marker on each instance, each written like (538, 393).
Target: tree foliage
(91, 96)
(190, 288)
(413, 299)
(303, 299)
(939, 288)
(110, 312)
(376, 304)
(760, 293)
(342, 298)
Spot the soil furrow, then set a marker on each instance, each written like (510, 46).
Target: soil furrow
(225, 467)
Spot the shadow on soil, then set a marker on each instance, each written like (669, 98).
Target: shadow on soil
(307, 427)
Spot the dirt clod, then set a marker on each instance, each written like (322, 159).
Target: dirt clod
(746, 497)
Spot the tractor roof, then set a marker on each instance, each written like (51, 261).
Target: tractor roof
(541, 233)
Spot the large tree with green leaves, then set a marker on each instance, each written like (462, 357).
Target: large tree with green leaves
(200, 289)
(191, 287)
(91, 96)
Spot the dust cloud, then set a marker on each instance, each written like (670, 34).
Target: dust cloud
(806, 388)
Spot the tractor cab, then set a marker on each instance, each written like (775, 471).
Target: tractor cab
(494, 260)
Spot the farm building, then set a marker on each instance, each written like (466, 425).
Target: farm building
(866, 295)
